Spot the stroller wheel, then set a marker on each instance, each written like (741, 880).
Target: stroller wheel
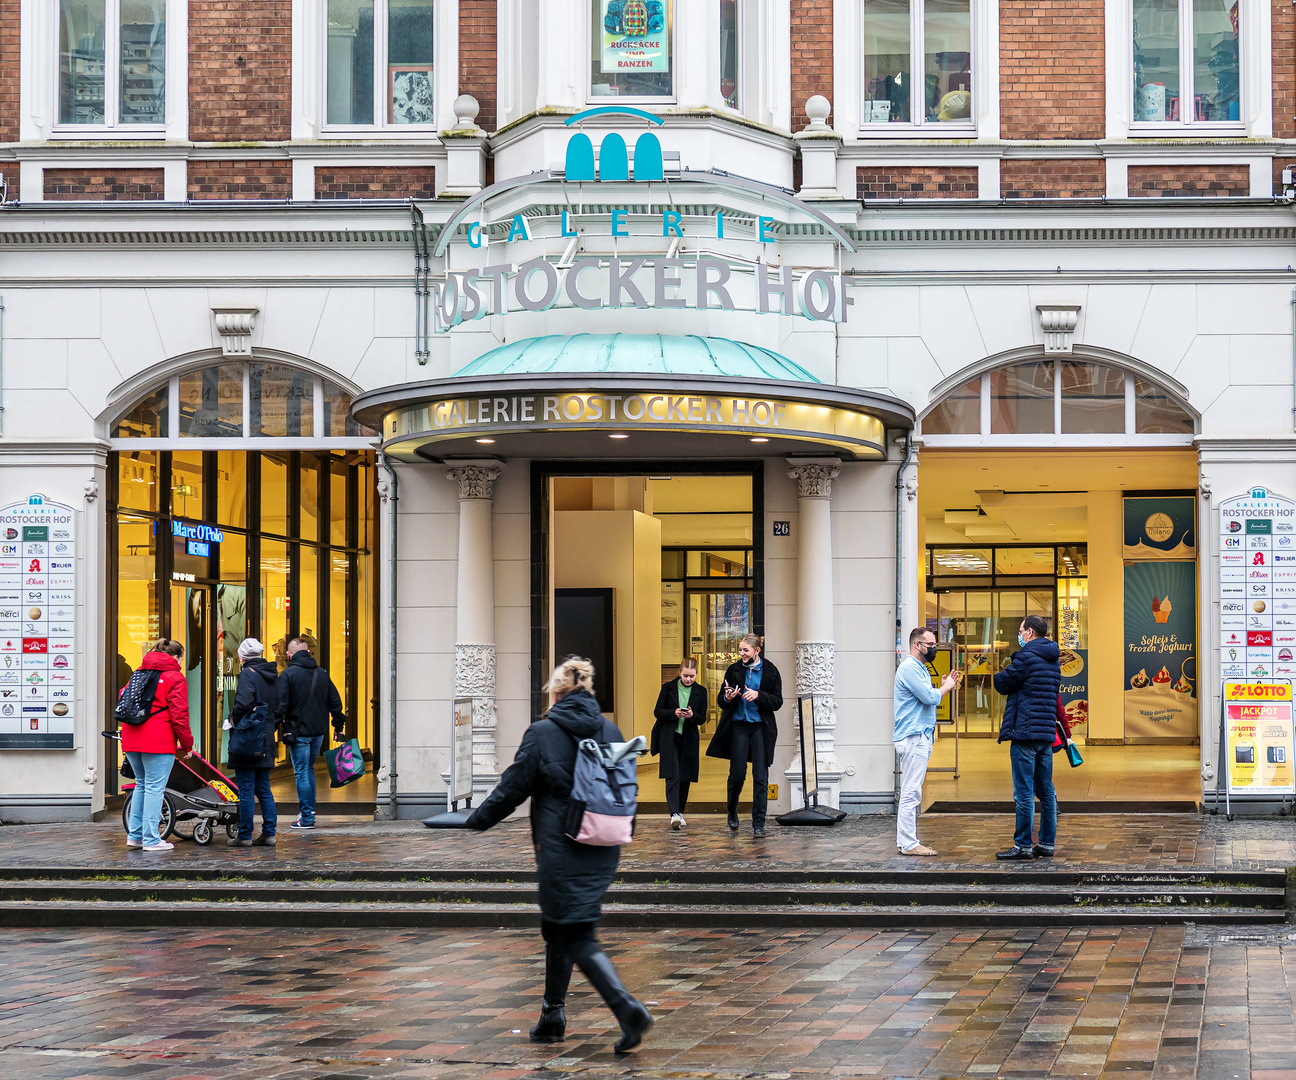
(202, 832)
(166, 823)
(231, 829)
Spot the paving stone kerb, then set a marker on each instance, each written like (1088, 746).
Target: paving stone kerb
(1134, 841)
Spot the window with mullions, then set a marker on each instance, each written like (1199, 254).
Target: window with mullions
(917, 63)
(379, 64)
(112, 63)
(631, 52)
(730, 52)
(1058, 397)
(236, 401)
(1187, 63)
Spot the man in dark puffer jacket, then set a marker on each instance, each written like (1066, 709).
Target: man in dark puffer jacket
(1031, 683)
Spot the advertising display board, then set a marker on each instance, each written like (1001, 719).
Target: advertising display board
(1161, 650)
(37, 625)
(461, 753)
(1258, 738)
(1161, 527)
(1257, 587)
(634, 36)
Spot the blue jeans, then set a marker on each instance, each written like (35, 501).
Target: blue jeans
(1032, 774)
(152, 771)
(255, 782)
(302, 754)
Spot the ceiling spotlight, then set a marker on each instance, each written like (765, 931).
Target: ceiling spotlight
(759, 438)
(485, 442)
(618, 435)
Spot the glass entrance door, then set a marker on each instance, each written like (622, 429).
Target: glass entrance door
(717, 622)
(191, 625)
(984, 624)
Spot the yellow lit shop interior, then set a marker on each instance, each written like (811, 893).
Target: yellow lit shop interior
(643, 571)
(1006, 534)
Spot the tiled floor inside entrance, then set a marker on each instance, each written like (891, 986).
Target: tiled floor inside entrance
(1109, 774)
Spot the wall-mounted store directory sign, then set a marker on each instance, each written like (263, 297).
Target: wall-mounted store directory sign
(37, 625)
(1257, 587)
(1258, 730)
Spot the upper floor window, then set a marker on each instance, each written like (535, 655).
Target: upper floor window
(730, 51)
(112, 63)
(917, 64)
(379, 63)
(631, 53)
(1187, 63)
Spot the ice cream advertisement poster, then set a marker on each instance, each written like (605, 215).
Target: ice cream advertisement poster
(634, 36)
(1161, 650)
(1258, 727)
(1160, 528)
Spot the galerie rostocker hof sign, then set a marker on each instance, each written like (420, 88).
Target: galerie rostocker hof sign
(37, 624)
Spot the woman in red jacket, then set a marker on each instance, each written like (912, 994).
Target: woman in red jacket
(150, 747)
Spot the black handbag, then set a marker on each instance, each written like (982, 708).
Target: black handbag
(247, 738)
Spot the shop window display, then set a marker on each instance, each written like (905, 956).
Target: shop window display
(917, 62)
(631, 49)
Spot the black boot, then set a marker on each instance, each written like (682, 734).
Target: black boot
(733, 808)
(553, 1020)
(630, 1014)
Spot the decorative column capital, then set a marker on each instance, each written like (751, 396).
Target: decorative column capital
(475, 481)
(814, 478)
(234, 327)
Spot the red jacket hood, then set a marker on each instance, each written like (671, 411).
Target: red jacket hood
(159, 661)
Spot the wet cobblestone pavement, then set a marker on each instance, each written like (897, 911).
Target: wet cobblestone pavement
(1143, 1004)
(860, 842)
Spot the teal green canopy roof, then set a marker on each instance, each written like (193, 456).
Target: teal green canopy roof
(662, 354)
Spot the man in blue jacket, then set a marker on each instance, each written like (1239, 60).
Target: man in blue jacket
(1031, 683)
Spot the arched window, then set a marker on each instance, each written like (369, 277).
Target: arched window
(256, 400)
(1082, 399)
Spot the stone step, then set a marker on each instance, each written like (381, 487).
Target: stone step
(364, 914)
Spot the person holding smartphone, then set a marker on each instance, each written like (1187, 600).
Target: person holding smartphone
(751, 695)
(680, 711)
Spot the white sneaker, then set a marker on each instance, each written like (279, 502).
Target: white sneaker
(163, 846)
(134, 843)
(677, 822)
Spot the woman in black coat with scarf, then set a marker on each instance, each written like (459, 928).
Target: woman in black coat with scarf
(752, 693)
(680, 710)
(258, 682)
(572, 877)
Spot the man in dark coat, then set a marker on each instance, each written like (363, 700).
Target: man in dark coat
(307, 698)
(751, 695)
(1031, 682)
(572, 877)
(680, 710)
(257, 684)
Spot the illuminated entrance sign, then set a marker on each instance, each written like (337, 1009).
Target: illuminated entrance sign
(197, 532)
(632, 410)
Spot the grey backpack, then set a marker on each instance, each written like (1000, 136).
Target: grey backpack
(605, 786)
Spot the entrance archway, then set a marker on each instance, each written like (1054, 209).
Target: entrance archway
(1027, 474)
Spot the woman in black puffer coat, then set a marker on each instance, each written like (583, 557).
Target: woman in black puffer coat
(572, 877)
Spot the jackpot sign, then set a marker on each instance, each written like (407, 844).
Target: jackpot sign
(37, 625)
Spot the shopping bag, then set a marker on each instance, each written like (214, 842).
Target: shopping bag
(1073, 754)
(345, 763)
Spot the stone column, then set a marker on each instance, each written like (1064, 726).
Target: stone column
(815, 646)
(475, 615)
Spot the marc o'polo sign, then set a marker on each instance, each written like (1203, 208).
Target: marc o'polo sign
(460, 417)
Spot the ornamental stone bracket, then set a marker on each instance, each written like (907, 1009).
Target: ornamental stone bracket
(475, 481)
(234, 330)
(814, 478)
(816, 675)
(1058, 324)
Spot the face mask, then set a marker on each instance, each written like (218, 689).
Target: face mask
(929, 653)
(752, 662)
(1021, 642)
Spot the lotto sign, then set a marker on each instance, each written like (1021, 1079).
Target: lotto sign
(1258, 727)
(1257, 587)
(37, 625)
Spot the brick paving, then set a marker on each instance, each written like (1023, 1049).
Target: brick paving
(1148, 841)
(232, 1004)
